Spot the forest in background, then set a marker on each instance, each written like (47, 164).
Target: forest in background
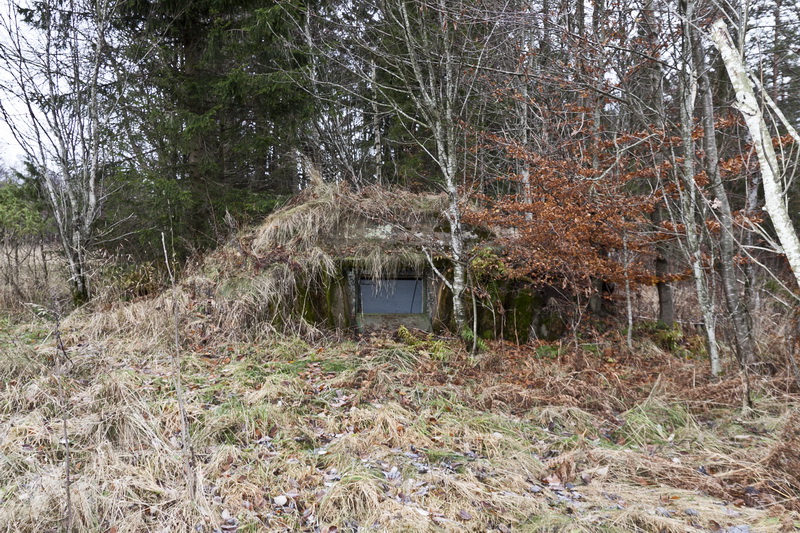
(603, 135)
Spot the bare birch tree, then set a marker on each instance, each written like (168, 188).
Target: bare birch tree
(418, 60)
(771, 170)
(734, 298)
(57, 102)
(434, 76)
(690, 201)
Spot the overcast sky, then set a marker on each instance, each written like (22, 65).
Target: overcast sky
(10, 152)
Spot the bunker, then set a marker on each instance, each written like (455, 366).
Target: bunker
(335, 259)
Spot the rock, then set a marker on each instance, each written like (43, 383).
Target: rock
(280, 500)
(463, 514)
(660, 511)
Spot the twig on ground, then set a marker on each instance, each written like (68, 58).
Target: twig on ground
(62, 363)
(186, 442)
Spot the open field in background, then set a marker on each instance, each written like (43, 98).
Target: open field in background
(34, 281)
(31, 274)
(403, 433)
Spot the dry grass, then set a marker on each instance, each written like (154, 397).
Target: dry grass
(333, 214)
(375, 435)
(30, 275)
(784, 456)
(269, 282)
(378, 230)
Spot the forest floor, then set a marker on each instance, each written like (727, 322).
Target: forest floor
(396, 433)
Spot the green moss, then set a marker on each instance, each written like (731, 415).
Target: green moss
(336, 366)
(593, 348)
(233, 287)
(337, 307)
(293, 367)
(439, 456)
(668, 338)
(436, 349)
(550, 326)
(305, 301)
(329, 286)
(521, 308)
(548, 351)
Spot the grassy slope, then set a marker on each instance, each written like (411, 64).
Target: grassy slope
(382, 435)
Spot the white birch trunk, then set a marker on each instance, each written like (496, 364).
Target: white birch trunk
(377, 142)
(688, 193)
(437, 99)
(748, 106)
(628, 300)
(736, 303)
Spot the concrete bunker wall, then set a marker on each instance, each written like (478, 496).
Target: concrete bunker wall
(511, 310)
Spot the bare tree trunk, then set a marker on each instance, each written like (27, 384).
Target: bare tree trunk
(628, 302)
(736, 304)
(377, 142)
(666, 301)
(747, 104)
(437, 98)
(752, 296)
(524, 118)
(654, 115)
(524, 73)
(776, 80)
(456, 230)
(688, 190)
(598, 12)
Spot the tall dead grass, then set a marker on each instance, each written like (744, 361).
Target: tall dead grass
(294, 436)
(30, 275)
(124, 469)
(273, 278)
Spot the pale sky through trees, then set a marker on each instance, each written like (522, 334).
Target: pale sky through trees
(12, 155)
(10, 152)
